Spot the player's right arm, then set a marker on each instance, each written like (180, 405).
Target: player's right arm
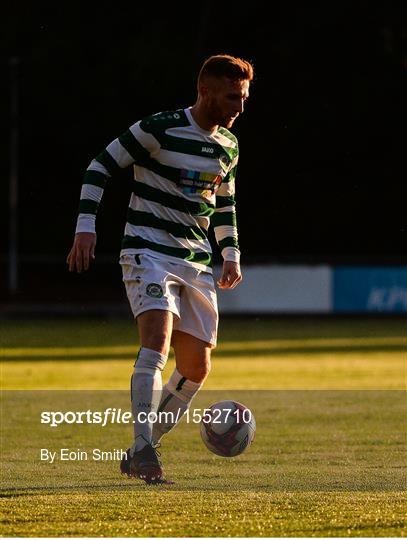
(134, 146)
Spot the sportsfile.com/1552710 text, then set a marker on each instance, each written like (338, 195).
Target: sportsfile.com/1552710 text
(111, 415)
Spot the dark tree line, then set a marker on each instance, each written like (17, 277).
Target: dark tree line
(322, 175)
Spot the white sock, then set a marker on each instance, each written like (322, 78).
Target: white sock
(146, 386)
(176, 398)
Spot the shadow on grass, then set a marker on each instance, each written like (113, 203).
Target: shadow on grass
(181, 486)
(219, 353)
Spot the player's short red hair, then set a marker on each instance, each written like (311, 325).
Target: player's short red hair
(224, 65)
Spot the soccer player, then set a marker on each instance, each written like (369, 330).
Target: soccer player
(184, 170)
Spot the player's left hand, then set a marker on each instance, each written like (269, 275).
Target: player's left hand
(231, 275)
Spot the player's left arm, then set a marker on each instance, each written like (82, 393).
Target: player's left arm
(225, 228)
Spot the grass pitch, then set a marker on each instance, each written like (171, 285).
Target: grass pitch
(328, 459)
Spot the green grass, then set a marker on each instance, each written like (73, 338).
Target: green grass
(132, 512)
(49, 333)
(328, 459)
(252, 354)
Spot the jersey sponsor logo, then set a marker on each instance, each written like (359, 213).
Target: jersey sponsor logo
(207, 150)
(154, 290)
(199, 182)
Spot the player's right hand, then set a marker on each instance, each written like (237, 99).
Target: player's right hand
(82, 252)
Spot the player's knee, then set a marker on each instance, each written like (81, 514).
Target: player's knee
(158, 340)
(201, 370)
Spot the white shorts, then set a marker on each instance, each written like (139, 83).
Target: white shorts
(189, 293)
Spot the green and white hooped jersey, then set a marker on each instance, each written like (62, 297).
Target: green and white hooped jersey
(184, 179)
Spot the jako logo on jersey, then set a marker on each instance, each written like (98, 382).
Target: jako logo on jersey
(207, 150)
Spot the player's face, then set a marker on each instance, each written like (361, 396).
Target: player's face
(226, 100)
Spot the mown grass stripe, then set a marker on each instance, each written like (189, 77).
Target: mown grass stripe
(229, 346)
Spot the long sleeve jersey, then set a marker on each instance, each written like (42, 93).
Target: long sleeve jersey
(184, 180)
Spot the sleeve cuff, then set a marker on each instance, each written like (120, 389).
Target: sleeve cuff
(231, 254)
(86, 223)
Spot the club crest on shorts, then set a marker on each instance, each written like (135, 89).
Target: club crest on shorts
(154, 290)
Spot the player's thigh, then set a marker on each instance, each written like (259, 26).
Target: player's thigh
(198, 307)
(192, 356)
(155, 328)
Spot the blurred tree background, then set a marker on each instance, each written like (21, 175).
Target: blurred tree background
(322, 176)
